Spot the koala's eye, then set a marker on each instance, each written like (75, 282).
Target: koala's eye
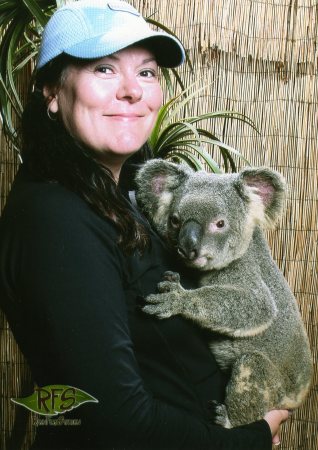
(220, 224)
(175, 221)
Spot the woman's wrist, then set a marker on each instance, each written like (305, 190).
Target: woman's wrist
(275, 418)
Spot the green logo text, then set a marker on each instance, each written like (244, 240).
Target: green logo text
(54, 399)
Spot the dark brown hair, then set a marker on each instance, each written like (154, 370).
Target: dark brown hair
(50, 153)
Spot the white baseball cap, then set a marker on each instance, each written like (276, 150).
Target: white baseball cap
(92, 29)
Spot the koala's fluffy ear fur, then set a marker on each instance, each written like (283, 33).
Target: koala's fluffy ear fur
(265, 190)
(156, 181)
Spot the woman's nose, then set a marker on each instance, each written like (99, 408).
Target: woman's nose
(129, 89)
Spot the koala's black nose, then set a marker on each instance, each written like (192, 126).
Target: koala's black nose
(190, 240)
(190, 255)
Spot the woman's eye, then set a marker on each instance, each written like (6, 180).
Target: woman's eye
(103, 70)
(148, 73)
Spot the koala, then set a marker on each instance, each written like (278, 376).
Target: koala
(214, 223)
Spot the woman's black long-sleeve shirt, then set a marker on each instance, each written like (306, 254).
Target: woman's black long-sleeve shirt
(73, 301)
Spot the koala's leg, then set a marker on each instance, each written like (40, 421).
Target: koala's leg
(255, 387)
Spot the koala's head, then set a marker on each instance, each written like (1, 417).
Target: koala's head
(209, 219)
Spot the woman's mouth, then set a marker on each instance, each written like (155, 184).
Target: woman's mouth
(124, 117)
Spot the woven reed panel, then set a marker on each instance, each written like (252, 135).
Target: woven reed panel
(15, 378)
(16, 431)
(260, 58)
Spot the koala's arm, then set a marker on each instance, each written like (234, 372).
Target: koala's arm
(234, 310)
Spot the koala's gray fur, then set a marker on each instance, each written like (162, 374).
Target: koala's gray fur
(214, 221)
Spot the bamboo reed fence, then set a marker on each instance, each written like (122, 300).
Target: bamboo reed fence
(256, 57)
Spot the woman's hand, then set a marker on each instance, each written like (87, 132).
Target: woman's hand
(274, 419)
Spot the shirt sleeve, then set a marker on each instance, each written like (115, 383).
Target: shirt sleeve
(73, 313)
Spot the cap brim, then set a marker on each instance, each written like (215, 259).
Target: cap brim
(168, 51)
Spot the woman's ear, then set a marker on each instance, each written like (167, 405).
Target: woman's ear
(51, 97)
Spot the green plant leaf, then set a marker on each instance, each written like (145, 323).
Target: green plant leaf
(36, 11)
(224, 115)
(177, 131)
(178, 104)
(189, 158)
(21, 23)
(167, 77)
(172, 134)
(158, 125)
(207, 158)
(54, 399)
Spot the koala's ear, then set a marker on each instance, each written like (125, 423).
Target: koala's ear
(265, 189)
(157, 180)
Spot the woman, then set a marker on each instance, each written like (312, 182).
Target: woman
(77, 259)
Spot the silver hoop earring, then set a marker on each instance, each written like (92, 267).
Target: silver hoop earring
(50, 116)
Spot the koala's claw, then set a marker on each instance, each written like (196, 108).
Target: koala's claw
(162, 305)
(174, 277)
(153, 311)
(219, 414)
(167, 286)
(154, 299)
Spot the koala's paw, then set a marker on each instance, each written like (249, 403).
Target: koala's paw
(171, 282)
(168, 286)
(219, 414)
(174, 277)
(163, 305)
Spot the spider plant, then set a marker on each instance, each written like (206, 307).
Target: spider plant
(21, 25)
(182, 139)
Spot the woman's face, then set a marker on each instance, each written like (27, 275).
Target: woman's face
(111, 104)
